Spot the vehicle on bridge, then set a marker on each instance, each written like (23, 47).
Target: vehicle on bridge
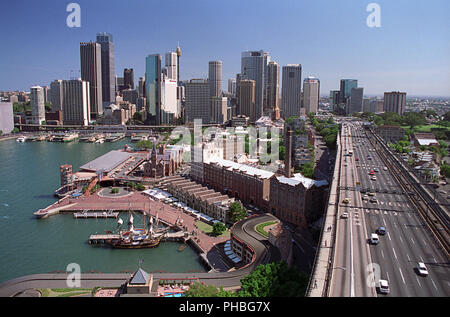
(422, 269)
(383, 287)
(374, 239)
(381, 231)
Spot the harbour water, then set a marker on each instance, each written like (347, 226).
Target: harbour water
(29, 173)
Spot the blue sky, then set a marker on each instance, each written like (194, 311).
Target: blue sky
(330, 38)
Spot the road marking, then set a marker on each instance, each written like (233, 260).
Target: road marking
(384, 222)
(434, 260)
(434, 284)
(421, 258)
(402, 275)
(387, 274)
(418, 281)
(382, 254)
(401, 240)
(407, 255)
(352, 285)
(424, 242)
(412, 240)
(394, 253)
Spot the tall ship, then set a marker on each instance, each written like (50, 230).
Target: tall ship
(135, 238)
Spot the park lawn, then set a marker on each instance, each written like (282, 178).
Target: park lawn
(64, 292)
(206, 228)
(427, 128)
(261, 226)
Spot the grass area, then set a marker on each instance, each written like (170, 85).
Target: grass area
(208, 229)
(427, 128)
(261, 226)
(64, 292)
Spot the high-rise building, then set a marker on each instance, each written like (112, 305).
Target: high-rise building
(215, 78)
(128, 78)
(76, 102)
(153, 87)
(169, 101)
(290, 90)
(108, 72)
(238, 91)
(395, 101)
(171, 66)
(254, 67)
(37, 105)
(346, 89)
(232, 86)
(198, 101)
(219, 109)
(247, 98)
(141, 87)
(356, 100)
(272, 89)
(91, 71)
(6, 117)
(46, 92)
(56, 95)
(311, 92)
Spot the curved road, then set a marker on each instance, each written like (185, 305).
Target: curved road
(243, 230)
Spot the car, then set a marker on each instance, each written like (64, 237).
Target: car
(356, 159)
(381, 231)
(385, 168)
(422, 269)
(346, 200)
(383, 287)
(376, 170)
(374, 178)
(373, 200)
(371, 194)
(369, 158)
(372, 172)
(344, 215)
(374, 238)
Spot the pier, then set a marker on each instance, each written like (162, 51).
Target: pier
(179, 236)
(95, 214)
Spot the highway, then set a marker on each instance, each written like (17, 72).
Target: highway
(407, 241)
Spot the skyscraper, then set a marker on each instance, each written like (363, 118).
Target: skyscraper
(254, 67)
(395, 101)
(232, 86)
(76, 102)
(346, 89)
(311, 90)
(219, 107)
(198, 101)
(215, 78)
(128, 78)
(290, 90)
(247, 99)
(171, 66)
(141, 87)
(91, 71)
(356, 100)
(37, 105)
(272, 94)
(56, 95)
(108, 72)
(153, 87)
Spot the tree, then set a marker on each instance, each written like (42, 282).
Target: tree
(447, 116)
(15, 130)
(414, 119)
(282, 152)
(1, 132)
(144, 144)
(445, 169)
(238, 212)
(274, 280)
(307, 170)
(202, 290)
(218, 229)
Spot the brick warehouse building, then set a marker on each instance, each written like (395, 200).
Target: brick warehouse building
(298, 200)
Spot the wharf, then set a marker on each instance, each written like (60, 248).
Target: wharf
(104, 214)
(179, 236)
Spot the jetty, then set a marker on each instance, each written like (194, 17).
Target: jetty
(179, 236)
(95, 214)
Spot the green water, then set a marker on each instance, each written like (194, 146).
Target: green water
(29, 173)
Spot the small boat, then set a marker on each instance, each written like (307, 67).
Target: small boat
(21, 139)
(181, 248)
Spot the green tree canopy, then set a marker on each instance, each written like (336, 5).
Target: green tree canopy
(218, 229)
(238, 212)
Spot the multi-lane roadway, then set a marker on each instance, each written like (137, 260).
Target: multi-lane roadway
(359, 265)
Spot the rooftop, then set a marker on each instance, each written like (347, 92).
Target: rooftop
(249, 170)
(107, 162)
(299, 178)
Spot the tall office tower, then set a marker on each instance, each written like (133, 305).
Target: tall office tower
(45, 91)
(169, 101)
(366, 105)
(247, 97)
(141, 89)
(346, 89)
(232, 86)
(356, 100)
(76, 102)
(91, 71)
(219, 107)
(128, 78)
(254, 67)
(198, 103)
(273, 74)
(395, 101)
(215, 78)
(238, 92)
(153, 88)
(178, 62)
(171, 65)
(37, 105)
(290, 90)
(108, 72)
(311, 91)
(56, 95)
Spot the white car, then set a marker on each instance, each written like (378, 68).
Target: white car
(385, 168)
(344, 215)
(422, 269)
(374, 238)
(383, 287)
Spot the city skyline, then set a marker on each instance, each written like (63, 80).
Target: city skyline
(396, 56)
